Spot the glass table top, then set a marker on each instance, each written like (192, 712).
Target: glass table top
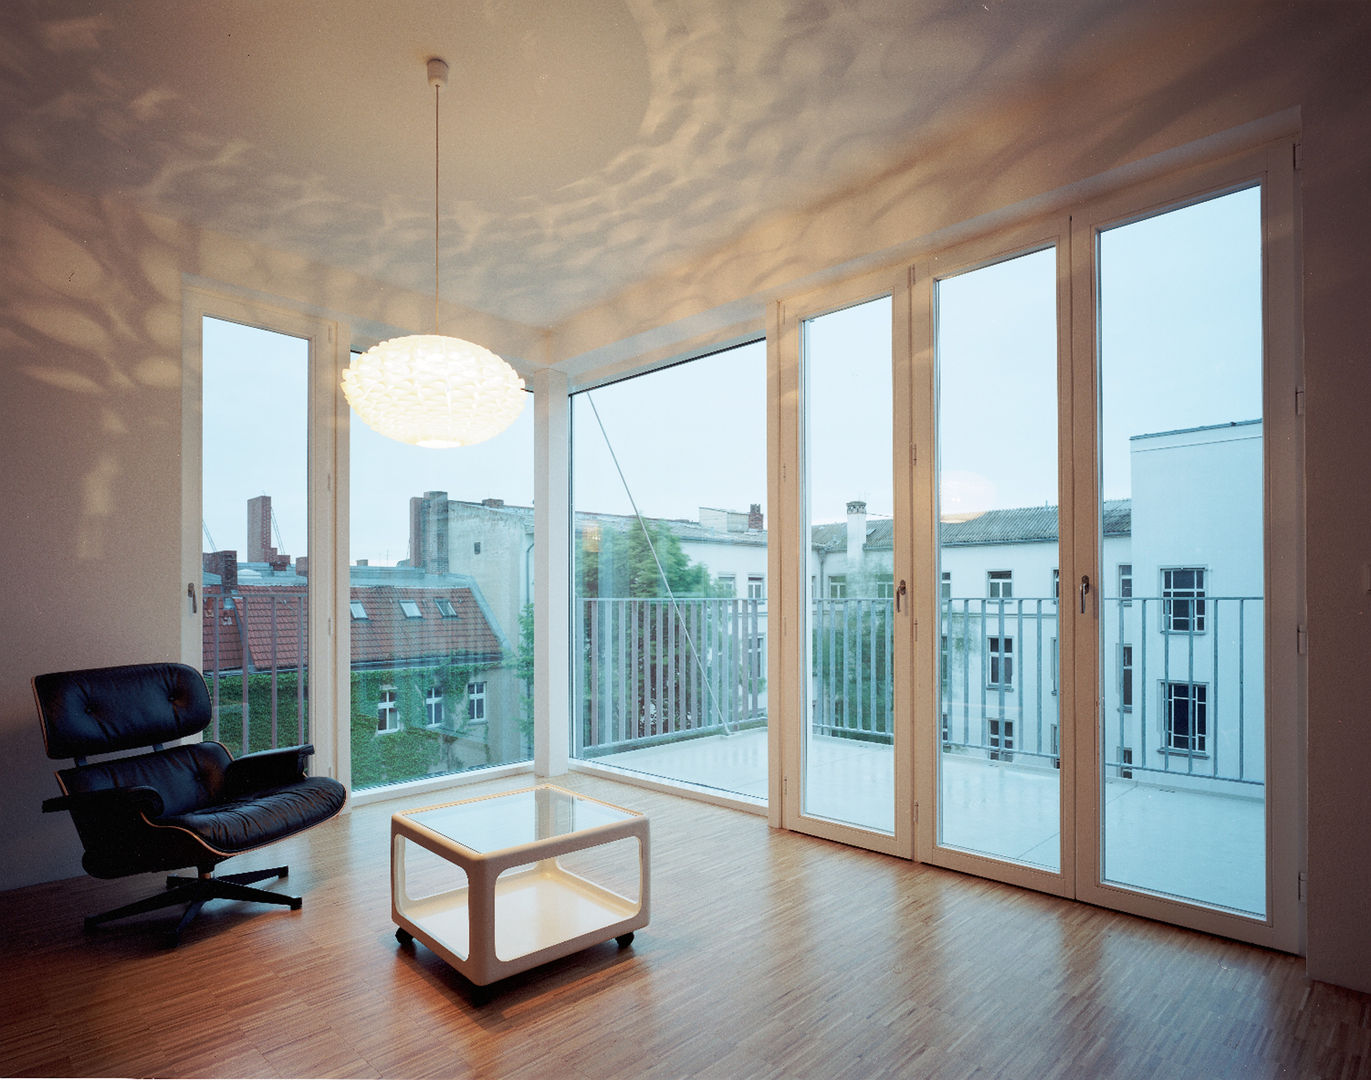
(518, 817)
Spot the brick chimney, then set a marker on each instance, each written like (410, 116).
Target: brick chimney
(494, 504)
(222, 563)
(856, 534)
(259, 529)
(754, 518)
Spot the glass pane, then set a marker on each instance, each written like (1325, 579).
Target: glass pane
(254, 507)
(1182, 613)
(999, 790)
(848, 773)
(520, 817)
(670, 608)
(441, 543)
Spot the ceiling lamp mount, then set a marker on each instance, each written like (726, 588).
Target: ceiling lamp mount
(429, 389)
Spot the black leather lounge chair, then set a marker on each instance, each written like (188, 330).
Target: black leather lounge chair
(173, 807)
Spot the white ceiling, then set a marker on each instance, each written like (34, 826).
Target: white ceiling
(585, 143)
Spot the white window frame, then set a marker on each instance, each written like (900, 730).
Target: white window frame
(999, 662)
(999, 584)
(388, 710)
(1197, 695)
(434, 711)
(476, 701)
(1196, 622)
(328, 635)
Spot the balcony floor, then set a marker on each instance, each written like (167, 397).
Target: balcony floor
(1191, 844)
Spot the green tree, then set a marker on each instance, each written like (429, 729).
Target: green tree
(619, 563)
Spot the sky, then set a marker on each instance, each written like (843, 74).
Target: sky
(1180, 346)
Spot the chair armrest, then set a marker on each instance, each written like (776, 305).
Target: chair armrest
(267, 769)
(130, 801)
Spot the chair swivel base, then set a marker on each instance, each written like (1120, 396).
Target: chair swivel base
(195, 892)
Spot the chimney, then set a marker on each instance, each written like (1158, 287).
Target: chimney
(856, 534)
(754, 518)
(259, 529)
(302, 565)
(494, 504)
(224, 564)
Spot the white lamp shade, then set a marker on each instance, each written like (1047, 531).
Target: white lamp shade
(435, 391)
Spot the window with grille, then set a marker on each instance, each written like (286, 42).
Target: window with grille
(1183, 600)
(1000, 663)
(1187, 717)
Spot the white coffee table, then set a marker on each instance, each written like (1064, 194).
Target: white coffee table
(518, 906)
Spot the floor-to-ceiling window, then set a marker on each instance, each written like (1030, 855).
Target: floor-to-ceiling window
(255, 533)
(670, 630)
(1110, 504)
(440, 605)
(1183, 760)
(997, 435)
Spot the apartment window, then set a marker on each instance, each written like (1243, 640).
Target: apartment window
(387, 713)
(837, 587)
(756, 655)
(1187, 717)
(445, 608)
(756, 587)
(1056, 583)
(411, 609)
(999, 584)
(885, 590)
(728, 584)
(1126, 677)
(1126, 582)
(358, 611)
(476, 702)
(1183, 600)
(946, 585)
(433, 706)
(999, 663)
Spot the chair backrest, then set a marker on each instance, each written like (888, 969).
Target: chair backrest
(106, 710)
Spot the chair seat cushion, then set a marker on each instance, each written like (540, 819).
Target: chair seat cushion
(262, 817)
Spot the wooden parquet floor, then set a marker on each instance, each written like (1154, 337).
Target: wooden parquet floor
(769, 955)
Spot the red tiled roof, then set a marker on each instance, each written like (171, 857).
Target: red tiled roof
(387, 632)
(275, 620)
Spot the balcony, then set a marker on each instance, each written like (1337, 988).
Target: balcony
(1183, 798)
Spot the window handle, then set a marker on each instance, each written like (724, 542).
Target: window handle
(900, 590)
(190, 591)
(1085, 588)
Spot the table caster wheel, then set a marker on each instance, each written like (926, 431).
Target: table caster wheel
(624, 940)
(403, 936)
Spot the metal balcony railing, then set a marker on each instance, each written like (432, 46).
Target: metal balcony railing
(252, 666)
(655, 670)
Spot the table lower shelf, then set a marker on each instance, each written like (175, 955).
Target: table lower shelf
(541, 913)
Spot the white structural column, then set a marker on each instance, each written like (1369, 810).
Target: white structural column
(552, 573)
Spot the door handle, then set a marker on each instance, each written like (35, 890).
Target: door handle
(900, 590)
(1085, 588)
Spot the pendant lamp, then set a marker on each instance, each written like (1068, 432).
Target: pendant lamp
(429, 389)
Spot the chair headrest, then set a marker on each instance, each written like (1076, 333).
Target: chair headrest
(101, 710)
